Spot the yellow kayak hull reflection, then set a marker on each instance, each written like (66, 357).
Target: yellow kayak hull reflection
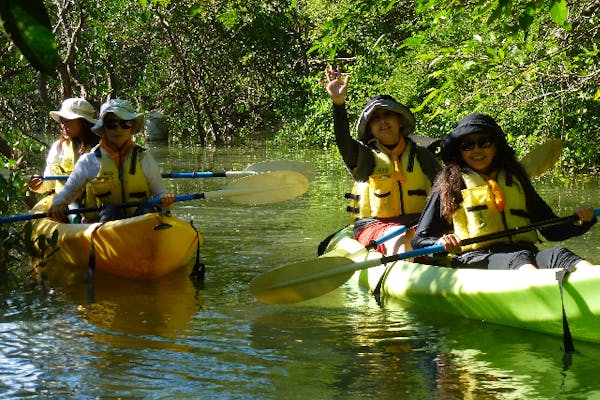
(130, 247)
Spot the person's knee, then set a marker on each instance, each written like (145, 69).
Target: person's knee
(583, 264)
(527, 266)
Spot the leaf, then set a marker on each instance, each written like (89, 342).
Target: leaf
(525, 21)
(412, 42)
(559, 12)
(27, 24)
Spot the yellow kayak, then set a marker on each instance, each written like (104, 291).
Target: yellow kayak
(131, 247)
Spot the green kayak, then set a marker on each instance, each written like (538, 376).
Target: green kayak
(524, 298)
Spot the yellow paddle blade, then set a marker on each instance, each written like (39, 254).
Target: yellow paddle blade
(301, 281)
(543, 157)
(284, 165)
(264, 188)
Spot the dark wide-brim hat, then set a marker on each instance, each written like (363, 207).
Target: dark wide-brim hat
(469, 124)
(387, 103)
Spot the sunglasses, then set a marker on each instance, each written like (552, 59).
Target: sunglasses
(482, 143)
(113, 124)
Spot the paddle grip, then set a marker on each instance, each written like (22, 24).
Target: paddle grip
(55, 177)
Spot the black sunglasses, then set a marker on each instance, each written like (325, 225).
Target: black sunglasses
(114, 123)
(482, 143)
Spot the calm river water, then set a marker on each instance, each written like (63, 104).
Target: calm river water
(168, 339)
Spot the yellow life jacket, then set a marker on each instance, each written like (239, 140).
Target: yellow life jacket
(113, 186)
(382, 196)
(478, 214)
(65, 165)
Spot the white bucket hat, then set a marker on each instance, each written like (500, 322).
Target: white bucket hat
(122, 109)
(74, 108)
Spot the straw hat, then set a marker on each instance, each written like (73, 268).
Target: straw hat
(122, 109)
(74, 108)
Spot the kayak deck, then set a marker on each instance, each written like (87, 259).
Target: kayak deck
(130, 247)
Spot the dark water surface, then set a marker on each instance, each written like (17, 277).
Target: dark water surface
(168, 339)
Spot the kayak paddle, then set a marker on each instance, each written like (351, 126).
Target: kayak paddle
(305, 280)
(264, 166)
(542, 158)
(263, 188)
(290, 273)
(283, 165)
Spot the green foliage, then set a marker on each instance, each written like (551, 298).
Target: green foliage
(16, 239)
(224, 71)
(27, 24)
(532, 65)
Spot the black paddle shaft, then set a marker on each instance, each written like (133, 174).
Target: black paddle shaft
(520, 229)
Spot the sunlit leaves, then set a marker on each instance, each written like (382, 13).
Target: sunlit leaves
(412, 42)
(559, 13)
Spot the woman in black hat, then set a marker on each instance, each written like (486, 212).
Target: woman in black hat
(392, 174)
(484, 189)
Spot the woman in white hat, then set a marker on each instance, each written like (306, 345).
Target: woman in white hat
(76, 118)
(392, 174)
(116, 170)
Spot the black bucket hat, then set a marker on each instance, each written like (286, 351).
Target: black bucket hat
(385, 102)
(469, 124)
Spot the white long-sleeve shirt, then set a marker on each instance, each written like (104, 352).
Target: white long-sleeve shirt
(53, 158)
(87, 167)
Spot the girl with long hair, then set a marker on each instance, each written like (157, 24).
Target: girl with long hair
(484, 189)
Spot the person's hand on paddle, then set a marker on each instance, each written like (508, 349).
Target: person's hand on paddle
(35, 182)
(58, 211)
(451, 242)
(336, 88)
(585, 214)
(167, 200)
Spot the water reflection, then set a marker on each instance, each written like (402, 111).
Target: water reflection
(509, 362)
(162, 307)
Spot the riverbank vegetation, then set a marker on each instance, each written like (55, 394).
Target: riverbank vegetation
(227, 71)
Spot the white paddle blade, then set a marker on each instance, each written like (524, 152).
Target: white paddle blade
(265, 188)
(301, 167)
